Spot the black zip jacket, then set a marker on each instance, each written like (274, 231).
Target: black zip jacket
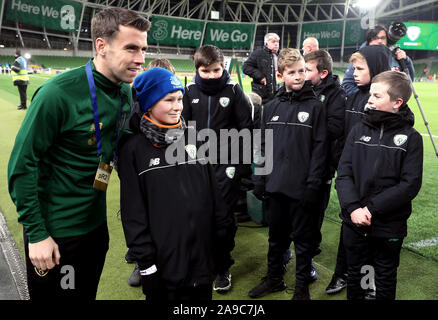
(381, 168)
(259, 65)
(227, 109)
(171, 213)
(378, 59)
(354, 108)
(298, 123)
(332, 96)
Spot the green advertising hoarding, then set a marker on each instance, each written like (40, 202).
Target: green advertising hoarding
(420, 36)
(330, 34)
(59, 15)
(229, 35)
(354, 34)
(173, 31)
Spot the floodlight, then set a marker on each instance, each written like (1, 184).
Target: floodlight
(366, 4)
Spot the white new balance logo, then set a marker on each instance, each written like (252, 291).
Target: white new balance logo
(154, 162)
(195, 100)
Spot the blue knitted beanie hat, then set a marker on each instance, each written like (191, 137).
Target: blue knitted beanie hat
(154, 84)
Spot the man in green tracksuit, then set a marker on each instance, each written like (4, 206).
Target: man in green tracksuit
(53, 172)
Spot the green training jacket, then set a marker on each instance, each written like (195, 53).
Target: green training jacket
(54, 160)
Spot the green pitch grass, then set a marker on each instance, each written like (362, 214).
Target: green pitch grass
(418, 269)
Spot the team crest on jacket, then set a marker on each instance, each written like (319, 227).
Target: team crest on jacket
(303, 116)
(322, 98)
(230, 171)
(224, 101)
(191, 150)
(400, 139)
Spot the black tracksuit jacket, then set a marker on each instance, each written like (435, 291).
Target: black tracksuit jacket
(381, 168)
(227, 109)
(298, 122)
(378, 59)
(259, 65)
(332, 96)
(171, 213)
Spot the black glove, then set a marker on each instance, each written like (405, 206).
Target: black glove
(259, 191)
(311, 199)
(151, 284)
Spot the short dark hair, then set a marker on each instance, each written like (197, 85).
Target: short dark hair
(207, 55)
(372, 33)
(398, 82)
(18, 52)
(323, 60)
(105, 24)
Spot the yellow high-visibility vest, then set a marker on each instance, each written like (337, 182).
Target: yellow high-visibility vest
(22, 74)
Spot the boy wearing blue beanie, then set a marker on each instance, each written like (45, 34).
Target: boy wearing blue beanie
(171, 237)
(216, 102)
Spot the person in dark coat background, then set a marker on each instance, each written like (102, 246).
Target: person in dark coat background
(261, 66)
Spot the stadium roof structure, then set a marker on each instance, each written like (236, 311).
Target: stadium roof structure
(268, 11)
(285, 17)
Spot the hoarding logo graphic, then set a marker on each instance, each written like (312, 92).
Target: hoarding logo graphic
(68, 17)
(161, 32)
(413, 33)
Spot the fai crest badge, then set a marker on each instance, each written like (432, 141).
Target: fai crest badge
(400, 139)
(303, 116)
(224, 101)
(41, 272)
(322, 98)
(230, 171)
(191, 150)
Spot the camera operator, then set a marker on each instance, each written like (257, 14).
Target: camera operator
(380, 35)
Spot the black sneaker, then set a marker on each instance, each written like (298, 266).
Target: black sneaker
(336, 284)
(370, 294)
(267, 286)
(20, 107)
(301, 293)
(135, 277)
(223, 282)
(313, 273)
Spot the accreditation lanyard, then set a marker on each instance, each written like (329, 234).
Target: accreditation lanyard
(104, 170)
(93, 93)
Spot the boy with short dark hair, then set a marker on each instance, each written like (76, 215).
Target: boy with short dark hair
(216, 102)
(172, 238)
(379, 174)
(367, 62)
(297, 122)
(328, 90)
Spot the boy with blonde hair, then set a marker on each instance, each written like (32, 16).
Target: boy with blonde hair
(379, 174)
(297, 122)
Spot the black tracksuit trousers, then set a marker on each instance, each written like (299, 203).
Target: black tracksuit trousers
(288, 221)
(384, 253)
(23, 97)
(78, 274)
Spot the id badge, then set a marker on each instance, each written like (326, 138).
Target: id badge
(102, 176)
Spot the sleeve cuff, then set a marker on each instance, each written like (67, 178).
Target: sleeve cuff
(148, 271)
